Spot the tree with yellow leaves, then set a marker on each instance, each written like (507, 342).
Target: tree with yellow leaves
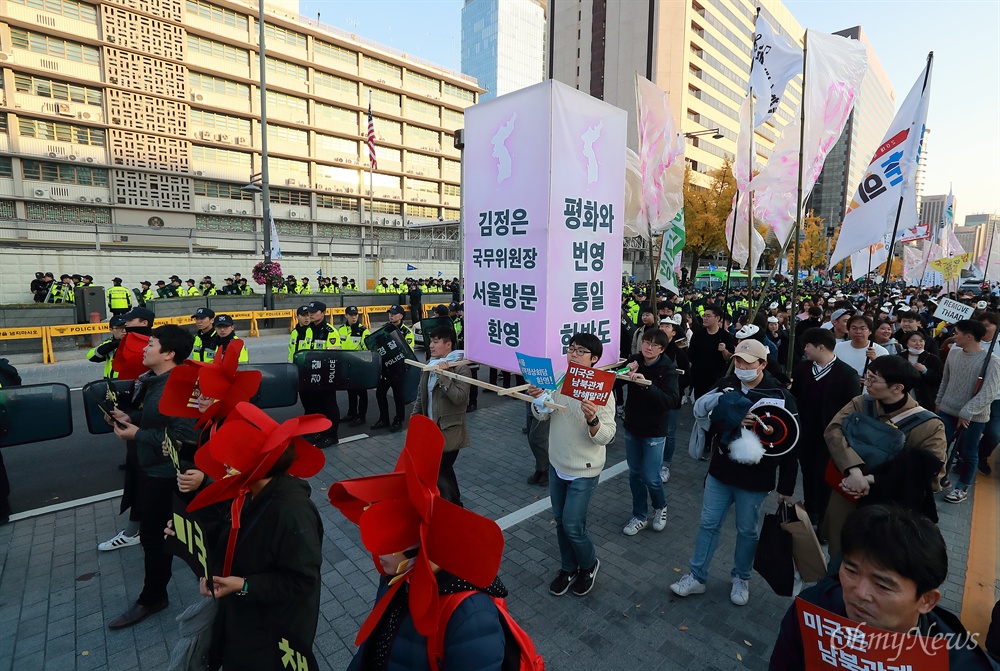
(705, 212)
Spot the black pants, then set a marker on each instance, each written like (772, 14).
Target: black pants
(813, 458)
(4, 489)
(381, 398)
(156, 496)
(357, 403)
(323, 403)
(447, 480)
(474, 388)
(416, 313)
(496, 373)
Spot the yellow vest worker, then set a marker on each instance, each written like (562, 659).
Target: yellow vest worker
(119, 298)
(225, 331)
(352, 334)
(300, 339)
(105, 352)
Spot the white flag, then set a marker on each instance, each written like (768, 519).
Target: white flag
(774, 62)
(661, 159)
(835, 69)
(891, 177)
(745, 242)
(989, 262)
(868, 259)
(912, 264)
(273, 232)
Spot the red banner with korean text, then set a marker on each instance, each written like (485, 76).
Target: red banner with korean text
(588, 384)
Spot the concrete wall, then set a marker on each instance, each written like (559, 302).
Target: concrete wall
(19, 267)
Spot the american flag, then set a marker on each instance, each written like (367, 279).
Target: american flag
(371, 138)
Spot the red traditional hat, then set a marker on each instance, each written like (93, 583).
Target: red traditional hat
(402, 509)
(128, 356)
(220, 380)
(244, 449)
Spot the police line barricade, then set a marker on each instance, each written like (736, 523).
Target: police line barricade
(25, 333)
(48, 353)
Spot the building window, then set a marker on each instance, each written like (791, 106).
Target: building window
(422, 211)
(3, 123)
(337, 144)
(220, 156)
(422, 185)
(61, 132)
(7, 209)
(332, 114)
(285, 134)
(6, 168)
(418, 162)
(382, 207)
(200, 82)
(335, 83)
(388, 127)
(327, 231)
(71, 9)
(336, 53)
(286, 197)
(387, 154)
(289, 37)
(40, 43)
(336, 202)
(280, 67)
(293, 227)
(64, 173)
(209, 222)
(218, 14)
(418, 80)
(420, 107)
(452, 190)
(50, 88)
(450, 215)
(422, 136)
(452, 118)
(459, 92)
(217, 50)
(220, 121)
(384, 97)
(451, 166)
(73, 214)
(382, 69)
(287, 166)
(220, 190)
(290, 102)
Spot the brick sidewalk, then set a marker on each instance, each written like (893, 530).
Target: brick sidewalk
(57, 592)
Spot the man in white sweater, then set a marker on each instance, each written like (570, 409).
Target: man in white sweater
(961, 406)
(577, 440)
(859, 350)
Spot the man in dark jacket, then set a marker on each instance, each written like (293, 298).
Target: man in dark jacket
(895, 561)
(739, 473)
(647, 410)
(710, 350)
(168, 347)
(822, 384)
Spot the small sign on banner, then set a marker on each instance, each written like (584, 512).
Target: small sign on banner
(952, 311)
(537, 370)
(588, 384)
(189, 543)
(291, 654)
(834, 642)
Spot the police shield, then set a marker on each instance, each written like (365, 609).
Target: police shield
(100, 398)
(33, 413)
(279, 385)
(389, 344)
(338, 370)
(428, 324)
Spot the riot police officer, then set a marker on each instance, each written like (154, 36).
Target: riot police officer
(321, 336)
(352, 337)
(394, 382)
(105, 352)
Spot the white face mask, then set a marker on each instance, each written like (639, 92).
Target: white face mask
(916, 351)
(746, 375)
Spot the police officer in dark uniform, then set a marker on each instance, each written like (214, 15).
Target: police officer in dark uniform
(321, 336)
(352, 337)
(206, 340)
(394, 382)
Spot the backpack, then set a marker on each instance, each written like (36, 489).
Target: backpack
(519, 651)
(9, 376)
(875, 441)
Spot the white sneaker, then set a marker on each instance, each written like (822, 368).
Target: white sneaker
(687, 585)
(660, 519)
(634, 526)
(118, 542)
(740, 594)
(664, 474)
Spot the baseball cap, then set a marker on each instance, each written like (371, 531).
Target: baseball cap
(441, 310)
(140, 313)
(751, 350)
(351, 310)
(146, 282)
(160, 283)
(316, 306)
(117, 321)
(223, 320)
(396, 310)
(201, 313)
(837, 314)
(303, 310)
(772, 306)
(452, 307)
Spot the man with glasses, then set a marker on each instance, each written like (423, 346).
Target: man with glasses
(860, 350)
(710, 350)
(577, 450)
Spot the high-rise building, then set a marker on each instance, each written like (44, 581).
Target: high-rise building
(503, 44)
(848, 160)
(698, 51)
(978, 233)
(932, 208)
(146, 114)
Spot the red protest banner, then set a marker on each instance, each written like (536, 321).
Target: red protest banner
(834, 642)
(588, 384)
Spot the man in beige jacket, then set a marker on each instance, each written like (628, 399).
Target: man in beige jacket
(445, 399)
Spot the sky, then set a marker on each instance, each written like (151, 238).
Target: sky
(964, 117)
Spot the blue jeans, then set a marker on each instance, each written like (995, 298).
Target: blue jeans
(644, 456)
(715, 505)
(671, 440)
(570, 500)
(967, 449)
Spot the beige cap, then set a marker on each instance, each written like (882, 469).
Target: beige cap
(751, 351)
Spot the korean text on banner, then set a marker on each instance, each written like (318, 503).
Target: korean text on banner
(830, 641)
(543, 243)
(588, 384)
(537, 370)
(952, 311)
(775, 62)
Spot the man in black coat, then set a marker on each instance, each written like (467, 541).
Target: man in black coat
(822, 384)
(710, 350)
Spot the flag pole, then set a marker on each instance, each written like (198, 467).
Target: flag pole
(798, 214)
(749, 195)
(371, 172)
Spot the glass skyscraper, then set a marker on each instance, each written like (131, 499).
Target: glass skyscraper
(503, 44)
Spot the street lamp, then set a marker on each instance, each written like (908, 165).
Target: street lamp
(714, 132)
(264, 181)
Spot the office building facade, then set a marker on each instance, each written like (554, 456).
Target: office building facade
(146, 116)
(503, 44)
